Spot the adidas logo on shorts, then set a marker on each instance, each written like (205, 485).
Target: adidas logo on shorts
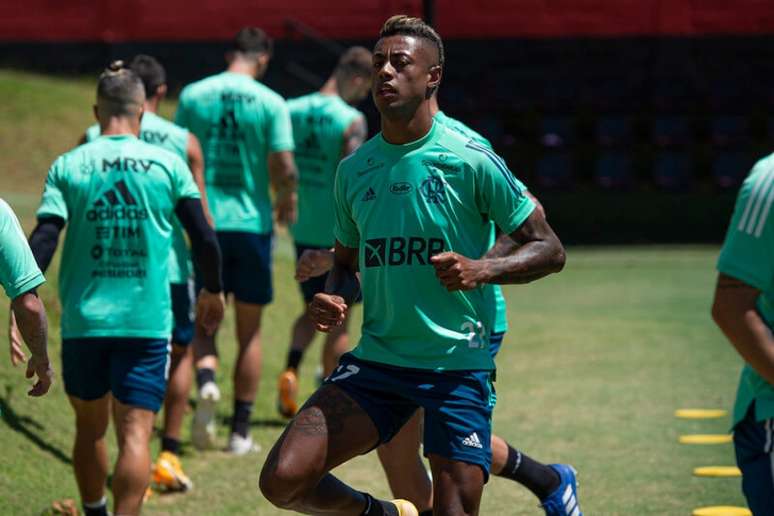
(473, 441)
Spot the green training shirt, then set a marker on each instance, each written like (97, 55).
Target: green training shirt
(501, 320)
(748, 255)
(239, 122)
(18, 271)
(158, 131)
(319, 125)
(118, 196)
(401, 204)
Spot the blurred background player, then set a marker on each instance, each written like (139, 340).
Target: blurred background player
(20, 276)
(118, 196)
(401, 199)
(326, 128)
(744, 311)
(167, 471)
(245, 131)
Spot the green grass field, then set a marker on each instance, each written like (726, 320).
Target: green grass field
(596, 361)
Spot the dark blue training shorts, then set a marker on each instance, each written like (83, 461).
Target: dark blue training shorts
(134, 370)
(754, 446)
(458, 405)
(183, 296)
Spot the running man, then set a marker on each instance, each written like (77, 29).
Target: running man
(412, 204)
(744, 311)
(167, 471)
(118, 196)
(246, 135)
(20, 277)
(326, 128)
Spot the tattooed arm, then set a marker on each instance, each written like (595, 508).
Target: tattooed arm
(734, 312)
(30, 319)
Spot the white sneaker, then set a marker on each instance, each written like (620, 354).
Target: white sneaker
(203, 427)
(239, 445)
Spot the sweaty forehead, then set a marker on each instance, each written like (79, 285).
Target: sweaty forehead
(415, 47)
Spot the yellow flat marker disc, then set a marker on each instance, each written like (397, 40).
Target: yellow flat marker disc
(717, 471)
(700, 413)
(705, 439)
(722, 510)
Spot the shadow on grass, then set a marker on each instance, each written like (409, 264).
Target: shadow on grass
(30, 428)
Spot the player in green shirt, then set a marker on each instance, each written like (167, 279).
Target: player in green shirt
(413, 204)
(118, 196)
(20, 276)
(744, 311)
(167, 470)
(245, 131)
(326, 128)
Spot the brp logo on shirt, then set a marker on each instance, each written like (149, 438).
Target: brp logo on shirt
(374, 252)
(434, 190)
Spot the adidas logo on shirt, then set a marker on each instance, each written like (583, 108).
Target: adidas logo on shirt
(473, 441)
(117, 203)
(370, 195)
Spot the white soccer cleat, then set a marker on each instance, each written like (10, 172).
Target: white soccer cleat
(203, 427)
(239, 445)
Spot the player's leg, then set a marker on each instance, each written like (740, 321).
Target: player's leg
(167, 471)
(251, 293)
(90, 458)
(85, 372)
(355, 409)
(134, 427)
(138, 374)
(302, 334)
(457, 486)
(203, 424)
(403, 466)
(507, 462)
(755, 456)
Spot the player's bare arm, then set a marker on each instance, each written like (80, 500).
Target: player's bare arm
(28, 320)
(356, 134)
(537, 253)
(329, 309)
(314, 262)
(283, 175)
(734, 312)
(196, 164)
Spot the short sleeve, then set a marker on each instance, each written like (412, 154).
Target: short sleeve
(500, 195)
(344, 228)
(185, 186)
(18, 271)
(748, 250)
(53, 203)
(280, 137)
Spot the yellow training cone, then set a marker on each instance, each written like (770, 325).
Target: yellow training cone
(717, 471)
(705, 439)
(722, 510)
(700, 413)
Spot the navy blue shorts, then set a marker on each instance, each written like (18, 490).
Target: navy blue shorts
(754, 446)
(313, 285)
(457, 404)
(495, 341)
(246, 259)
(134, 370)
(182, 295)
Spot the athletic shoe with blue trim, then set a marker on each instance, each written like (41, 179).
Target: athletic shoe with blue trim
(564, 500)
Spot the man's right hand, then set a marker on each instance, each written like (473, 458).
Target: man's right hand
(327, 311)
(210, 308)
(40, 367)
(314, 262)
